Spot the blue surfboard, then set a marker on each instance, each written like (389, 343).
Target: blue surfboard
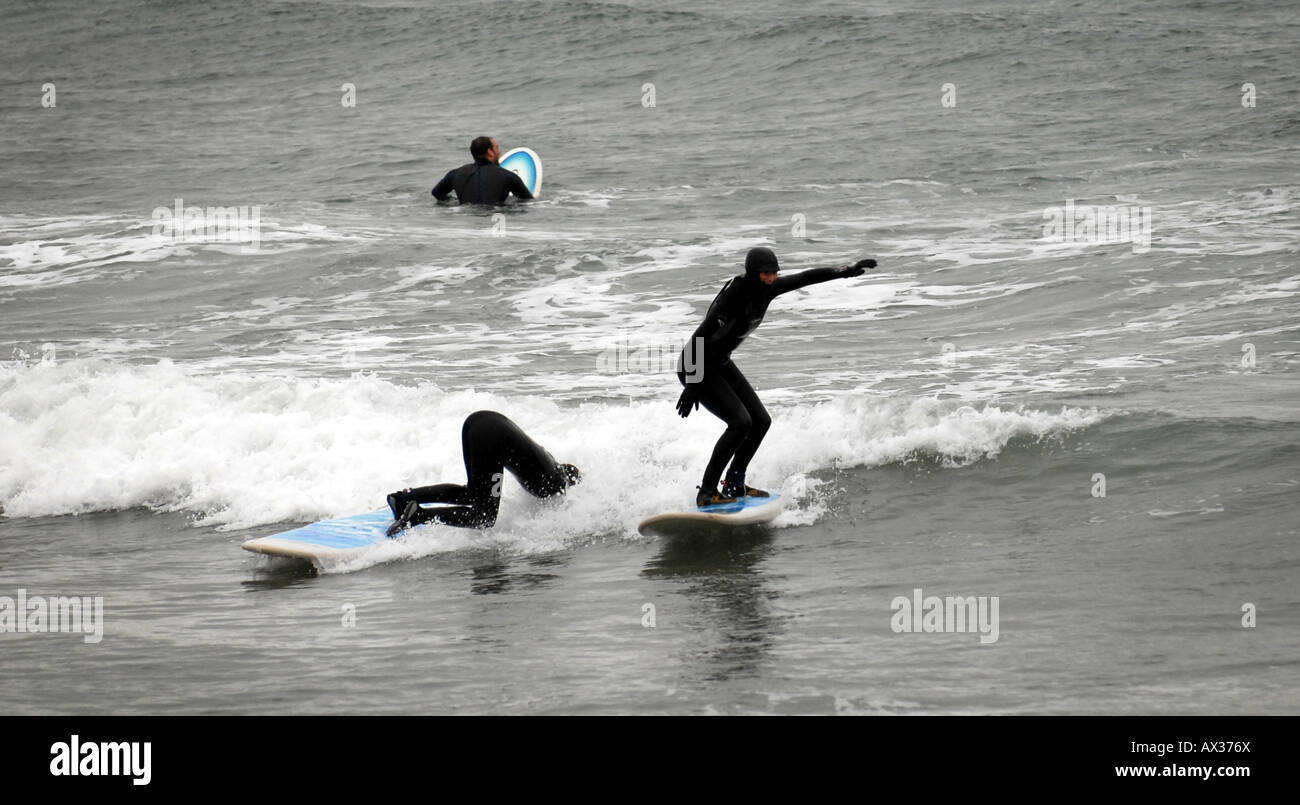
(744, 511)
(525, 164)
(328, 539)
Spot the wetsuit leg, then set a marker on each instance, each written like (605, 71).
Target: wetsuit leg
(716, 393)
(466, 511)
(475, 504)
(483, 516)
(438, 493)
(760, 421)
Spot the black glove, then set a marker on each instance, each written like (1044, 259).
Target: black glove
(856, 269)
(687, 401)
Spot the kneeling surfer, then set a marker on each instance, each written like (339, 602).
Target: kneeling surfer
(491, 443)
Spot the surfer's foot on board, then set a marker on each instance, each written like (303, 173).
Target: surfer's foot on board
(735, 487)
(744, 492)
(404, 519)
(394, 500)
(711, 497)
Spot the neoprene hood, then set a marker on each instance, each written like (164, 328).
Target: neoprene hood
(760, 258)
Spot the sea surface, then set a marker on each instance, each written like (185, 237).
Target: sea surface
(1070, 389)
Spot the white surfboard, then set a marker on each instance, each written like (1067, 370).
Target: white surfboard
(329, 539)
(743, 512)
(524, 163)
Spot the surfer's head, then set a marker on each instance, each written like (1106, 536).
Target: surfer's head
(761, 264)
(571, 474)
(484, 148)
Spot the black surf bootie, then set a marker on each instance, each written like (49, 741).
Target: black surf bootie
(735, 487)
(395, 503)
(404, 519)
(710, 497)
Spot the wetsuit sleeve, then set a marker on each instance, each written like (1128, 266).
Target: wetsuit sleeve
(443, 189)
(537, 470)
(518, 187)
(812, 276)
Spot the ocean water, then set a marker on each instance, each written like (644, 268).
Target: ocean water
(1097, 428)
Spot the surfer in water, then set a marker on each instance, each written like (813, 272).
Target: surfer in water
(482, 181)
(491, 443)
(709, 377)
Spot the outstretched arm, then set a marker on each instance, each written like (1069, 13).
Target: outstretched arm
(815, 275)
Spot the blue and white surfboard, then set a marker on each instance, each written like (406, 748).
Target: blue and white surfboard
(743, 512)
(525, 164)
(328, 539)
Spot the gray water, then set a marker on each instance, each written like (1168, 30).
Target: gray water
(945, 423)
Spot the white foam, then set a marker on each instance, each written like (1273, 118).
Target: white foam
(728, 253)
(49, 253)
(239, 450)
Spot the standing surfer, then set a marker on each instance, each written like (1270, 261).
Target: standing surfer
(717, 383)
(482, 181)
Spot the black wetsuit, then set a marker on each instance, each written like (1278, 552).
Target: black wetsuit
(491, 443)
(481, 182)
(719, 385)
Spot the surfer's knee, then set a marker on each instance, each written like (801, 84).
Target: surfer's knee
(761, 422)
